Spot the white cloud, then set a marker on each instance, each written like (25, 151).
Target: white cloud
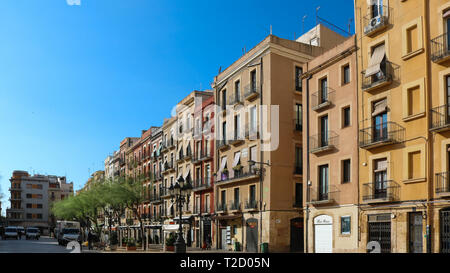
(73, 2)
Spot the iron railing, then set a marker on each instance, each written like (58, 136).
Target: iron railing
(440, 47)
(321, 142)
(298, 126)
(203, 155)
(223, 143)
(201, 183)
(237, 174)
(383, 134)
(236, 138)
(251, 133)
(330, 194)
(235, 205)
(440, 117)
(384, 76)
(251, 204)
(374, 24)
(221, 206)
(442, 182)
(322, 98)
(235, 99)
(252, 90)
(387, 190)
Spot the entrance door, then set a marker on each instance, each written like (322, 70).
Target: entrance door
(323, 234)
(207, 231)
(297, 235)
(223, 238)
(445, 230)
(415, 233)
(252, 235)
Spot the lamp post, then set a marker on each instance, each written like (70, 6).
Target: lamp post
(180, 193)
(261, 170)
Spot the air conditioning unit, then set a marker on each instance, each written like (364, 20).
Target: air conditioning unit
(373, 24)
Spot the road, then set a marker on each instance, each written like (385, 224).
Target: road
(43, 245)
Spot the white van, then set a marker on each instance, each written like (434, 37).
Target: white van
(11, 232)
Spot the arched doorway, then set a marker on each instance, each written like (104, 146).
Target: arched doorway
(252, 235)
(297, 235)
(323, 234)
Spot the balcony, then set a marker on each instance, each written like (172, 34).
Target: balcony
(206, 210)
(168, 167)
(236, 99)
(164, 193)
(383, 78)
(235, 206)
(198, 157)
(374, 25)
(440, 48)
(251, 133)
(379, 192)
(440, 118)
(180, 158)
(171, 144)
(15, 188)
(251, 205)
(201, 183)
(197, 210)
(322, 99)
(221, 207)
(298, 127)
(381, 135)
(442, 184)
(188, 155)
(238, 175)
(155, 198)
(323, 142)
(237, 139)
(15, 209)
(15, 198)
(223, 144)
(251, 91)
(320, 197)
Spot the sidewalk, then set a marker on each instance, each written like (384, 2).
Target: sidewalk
(156, 249)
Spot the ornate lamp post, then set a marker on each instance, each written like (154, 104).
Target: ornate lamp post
(180, 193)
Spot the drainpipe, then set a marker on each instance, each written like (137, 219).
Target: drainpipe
(430, 166)
(307, 162)
(261, 155)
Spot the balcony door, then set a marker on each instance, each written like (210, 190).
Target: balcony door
(447, 21)
(379, 116)
(252, 195)
(323, 90)
(324, 131)
(380, 176)
(323, 182)
(447, 81)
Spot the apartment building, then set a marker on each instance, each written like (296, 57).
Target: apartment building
(438, 18)
(31, 199)
(155, 190)
(331, 161)
(259, 180)
(402, 116)
(203, 166)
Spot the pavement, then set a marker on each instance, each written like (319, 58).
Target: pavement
(47, 244)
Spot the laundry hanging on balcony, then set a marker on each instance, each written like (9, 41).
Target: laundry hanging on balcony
(375, 61)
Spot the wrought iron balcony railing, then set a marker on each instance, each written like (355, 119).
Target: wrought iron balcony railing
(440, 48)
(251, 204)
(382, 191)
(203, 155)
(440, 117)
(238, 138)
(298, 126)
(442, 182)
(323, 142)
(235, 99)
(324, 196)
(202, 183)
(235, 174)
(373, 25)
(384, 77)
(221, 207)
(235, 205)
(379, 135)
(223, 143)
(252, 90)
(322, 99)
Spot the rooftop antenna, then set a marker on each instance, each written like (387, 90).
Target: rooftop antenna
(303, 23)
(350, 25)
(270, 29)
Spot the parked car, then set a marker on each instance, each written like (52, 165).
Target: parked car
(11, 232)
(33, 233)
(21, 230)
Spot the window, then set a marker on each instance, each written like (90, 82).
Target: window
(380, 175)
(236, 196)
(224, 130)
(253, 156)
(414, 168)
(253, 81)
(224, 99)
(29, 206)
(345, 224)
(323, 182)
(324, 131)
(237, 91)
(346, 74)
(298, 160)
(379, 119)
(223, 197)
(346, 164)
(346, 117)
(253, 120)
(323, 90)
(237, 127)
(298, 117)
(298, 80)
(252, 194)
(412, 42)
(298, 194)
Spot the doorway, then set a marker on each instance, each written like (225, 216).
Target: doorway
(415, 232)
(252, 235)
(297, 244)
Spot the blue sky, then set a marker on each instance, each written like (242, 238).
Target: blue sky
(76, 79)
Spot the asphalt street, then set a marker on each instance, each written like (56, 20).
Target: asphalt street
(43, 245)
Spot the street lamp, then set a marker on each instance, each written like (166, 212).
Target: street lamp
(180, 193)
(261, 170)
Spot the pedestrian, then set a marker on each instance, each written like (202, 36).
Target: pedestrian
(20, 234)
(208, 242)
(90, 238)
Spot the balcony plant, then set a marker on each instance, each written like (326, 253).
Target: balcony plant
(238, 167)
(131, 245)
(170, 241)
(124, 241)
